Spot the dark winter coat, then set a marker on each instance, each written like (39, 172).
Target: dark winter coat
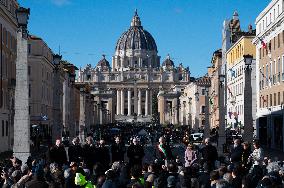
(209, 154)
(75, 152)
(58, 155)
(89, 155)
(236, 154)
(135, 153)
(103, 156)
(117, 152)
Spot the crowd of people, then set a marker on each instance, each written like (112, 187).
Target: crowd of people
(92, 164)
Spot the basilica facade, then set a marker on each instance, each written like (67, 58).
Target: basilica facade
(127, 89)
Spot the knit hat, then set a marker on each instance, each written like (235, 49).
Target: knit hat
(171, 181)
(24, 168)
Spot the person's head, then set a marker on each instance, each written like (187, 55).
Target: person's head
(102, 143)
(246, 145)
(89, 140)
(237, 142)
(73, 166)
(135, 141)
(58, 142)
(222, 184)
(228, 177)
(256, 144)
(172, 167)
(161, 140)
(152, 168)
(190, 146)
(207, 141)
(76, 141)
(117, 140)
(222, 170)
(214, 176)
(136, 172)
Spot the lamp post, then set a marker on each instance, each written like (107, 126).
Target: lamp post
(57, 97)
(189, 111)
(207, 125)
(21, 146)
(196, 94)
(222, 124)
(248, 120)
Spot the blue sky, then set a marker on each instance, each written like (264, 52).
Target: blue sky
(189, 30)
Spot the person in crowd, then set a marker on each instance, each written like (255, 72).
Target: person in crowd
(117, 150)
(204, 177)
(81, 182)
(163, 152)
(257, 154)
(190, 155)
(209, 154)
(37, 179)
(246, 164)
(89, 153)
(214, 177)
(236, 152)
(57, 153)
(69, 175)
(110, 179)
(75, 151)
(135, 153)
(237, 179)
(103, 155)
(136, 175)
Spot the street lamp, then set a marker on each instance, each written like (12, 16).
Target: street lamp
(221, 79)
(248, 107)
(22, 18)
(21, 148)
(56, 59)
(248, 61)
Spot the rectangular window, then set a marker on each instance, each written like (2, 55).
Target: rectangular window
(278, 40)
(274, 99)
(3, 129)
(266, 100)
(30, 90)
(260, 53)
(270, 104)
(278, 98)
(203, 109)
(29, 70)
(274, 43)
(29, 48)
(7, 128)
(282, 67)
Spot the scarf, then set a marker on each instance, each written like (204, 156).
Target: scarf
(162, 150)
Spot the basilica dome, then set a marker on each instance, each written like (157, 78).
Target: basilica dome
(136, 38)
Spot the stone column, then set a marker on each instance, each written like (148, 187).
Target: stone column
(21, 147)
(122, 102)
(82, 117)
(175, 109)
(129, 103)
(150, 102)
(146, 102)
(139, 102)
(118, 106)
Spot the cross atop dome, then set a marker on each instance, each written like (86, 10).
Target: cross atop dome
(135, 20)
